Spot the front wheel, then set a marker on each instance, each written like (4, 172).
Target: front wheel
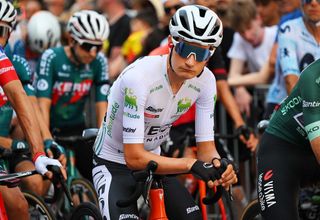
(86, 210)
(252, 211)
(82, 190)
(38, 209)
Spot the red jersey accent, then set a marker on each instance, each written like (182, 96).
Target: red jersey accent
(189, 116)
(7, 71)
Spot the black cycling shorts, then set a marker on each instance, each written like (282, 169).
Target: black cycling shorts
(282, 168)
(113, 181)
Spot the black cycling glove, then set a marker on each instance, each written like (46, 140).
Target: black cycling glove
(245, 131)
(205, 171)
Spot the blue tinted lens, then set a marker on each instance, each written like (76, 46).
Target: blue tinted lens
(185, 50)
(308, 1)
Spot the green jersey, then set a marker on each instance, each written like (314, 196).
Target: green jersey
(22, 68)
(297, 119)
(68, 85)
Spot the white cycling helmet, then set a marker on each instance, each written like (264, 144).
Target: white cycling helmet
(8, 13)
(196, 24)
(43, 31)
(88, 26)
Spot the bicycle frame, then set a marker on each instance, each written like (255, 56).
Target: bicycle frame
(157, 207)
(3, 213)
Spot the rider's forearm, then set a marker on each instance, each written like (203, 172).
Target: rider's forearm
(206, 151)
(101, 108)
(315, 145)
(291, 80)
(45, 105)
(5, 142)
(252, 79)
(137, 158)
(45, 132)
(229, 102)
(25, 113)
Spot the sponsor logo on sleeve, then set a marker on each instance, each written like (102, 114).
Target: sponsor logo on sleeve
(104, 89)
(130, 100)
(42, 85)
(183, 105)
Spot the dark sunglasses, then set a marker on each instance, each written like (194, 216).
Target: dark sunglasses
(308, 1)
(89, 47)
(167, 10)
(4, 31)
(185, 50)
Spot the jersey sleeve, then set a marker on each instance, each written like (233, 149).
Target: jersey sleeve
(7, 71)
(205, 111)
(23, 70)
(134, 100)
(45, 71)
(101, 78)
(287, 50)
(310, 89)
(237, 48)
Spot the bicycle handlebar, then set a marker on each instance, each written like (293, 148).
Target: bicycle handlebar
(140, 177)
(143, 175)
(18, 175)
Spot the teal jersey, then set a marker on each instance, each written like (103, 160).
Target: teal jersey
(68, 85)
(22, 68)
(297, 119)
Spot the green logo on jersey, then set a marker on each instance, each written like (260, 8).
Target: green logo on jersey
(290, 105)
(183, 104)
(114, 108)
(130, 100)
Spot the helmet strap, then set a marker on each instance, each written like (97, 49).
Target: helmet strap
(74, 54)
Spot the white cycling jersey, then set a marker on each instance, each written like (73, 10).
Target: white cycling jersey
(142, 107)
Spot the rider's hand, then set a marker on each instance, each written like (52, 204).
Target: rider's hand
(247, 137)
(243, 99)
(205, 171)
(41, 162)
(19, 146)
(56, 151)
(228, 176)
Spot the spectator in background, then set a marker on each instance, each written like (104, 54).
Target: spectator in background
(170, 7)
(290, 9)
(222, 8)
(268, 11)
(43, 32)
(251, 46)
(141, 26)
(119, 21)
(56, 7)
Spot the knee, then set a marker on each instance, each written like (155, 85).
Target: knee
(19, 207)
(22, 207)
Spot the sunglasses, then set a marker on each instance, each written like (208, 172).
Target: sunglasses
(4, 31)
(308, 1)
(167, 10)
(89, 47)
(185, 50)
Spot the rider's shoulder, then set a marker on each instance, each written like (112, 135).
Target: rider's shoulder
(311, 72)
(145, 68)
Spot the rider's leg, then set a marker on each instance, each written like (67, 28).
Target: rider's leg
(15, 203)
(32, 183)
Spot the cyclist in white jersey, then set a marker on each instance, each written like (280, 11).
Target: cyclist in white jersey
(144, 101)
(298, 47)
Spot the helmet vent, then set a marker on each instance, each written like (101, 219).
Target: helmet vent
(184, 19)
(202, 12)
(215, 29)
